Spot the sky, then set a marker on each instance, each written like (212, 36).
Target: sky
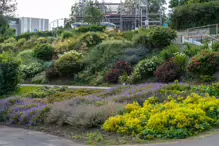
(48, 9)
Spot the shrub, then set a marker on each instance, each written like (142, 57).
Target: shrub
(134, 55)
(23, 111)
(205, 63)
(70, 94)
(168, 72)
(196, 14)
(119, 69)
(8, 47)
(69, 63)
(31, 69)
(67, 45)
(145, 68)
(142, 39)
(161, 37)
(92, 38)
(103, 55)
(9, 73)
(52, 73)
(41, 40)
(181, 60)
(21, 42)
(39, 78)
(168, 52)
(44, 52)
(82, 115)
(10, 40)
(66, 35)
(215, 46)
(91, 28)
(167, 120)
(192, 50)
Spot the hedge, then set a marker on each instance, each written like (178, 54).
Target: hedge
(194, 15)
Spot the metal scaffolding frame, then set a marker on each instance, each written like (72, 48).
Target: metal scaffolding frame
(127, 17)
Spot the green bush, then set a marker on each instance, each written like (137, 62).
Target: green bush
(206, 63)
(8, 47)
(10, 40)
(69, 63)
(9, 73)
(168, 52)
(215, 46)
(161, 37)
(44, 52)
(181, 60)
(21, 42)
(41, 40)
(145, 68)
(192, 50)
(92, 38)
(158, 37)
(66, 35)
(39, 78)
(194, 15)
(91, 28)
(104, 54)
(142, 39)
(30, 70)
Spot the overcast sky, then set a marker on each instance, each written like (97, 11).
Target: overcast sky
(50, 9)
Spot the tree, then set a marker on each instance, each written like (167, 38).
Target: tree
(176, 3)
(93, 15)
(5, 30)
(8, 7)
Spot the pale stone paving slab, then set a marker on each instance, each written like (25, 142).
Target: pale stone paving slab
(22, 137)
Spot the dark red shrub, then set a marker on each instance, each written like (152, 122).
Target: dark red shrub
(119, 69)
(113, 75)
(52, 73)
(167, 72)
(123, 65)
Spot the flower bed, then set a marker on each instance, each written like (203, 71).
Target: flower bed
(167, 120)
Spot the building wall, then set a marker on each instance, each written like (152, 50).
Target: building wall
(15, 24)
(33, 24)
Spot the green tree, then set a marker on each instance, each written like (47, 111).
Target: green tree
(93, 15)
(8, 7)
(5, 30)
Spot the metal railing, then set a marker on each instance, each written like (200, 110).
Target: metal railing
(212, 29)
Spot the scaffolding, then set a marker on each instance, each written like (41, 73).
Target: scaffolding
(127, 16)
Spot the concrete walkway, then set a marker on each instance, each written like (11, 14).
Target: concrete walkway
(70, 87)
(21, 137)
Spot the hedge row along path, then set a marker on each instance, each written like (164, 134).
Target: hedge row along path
(70, 87)
(21, 137)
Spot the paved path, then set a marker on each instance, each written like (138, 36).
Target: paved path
(70, 87)
(21, 137)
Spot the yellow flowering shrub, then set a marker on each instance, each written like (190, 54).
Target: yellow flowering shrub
(172, 119)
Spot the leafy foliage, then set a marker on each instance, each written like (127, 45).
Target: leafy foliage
(205, 63)
(194, 15)
(168, 72)
(9, 73)
(44, 52)
(145, 68)
(119, 69)
(69, 63)
(167, 120)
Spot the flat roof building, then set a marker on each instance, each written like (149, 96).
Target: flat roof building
(26, 24)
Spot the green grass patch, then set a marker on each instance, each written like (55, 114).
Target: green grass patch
(23, 90)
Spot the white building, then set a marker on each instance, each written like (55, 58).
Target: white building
(33, 24)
